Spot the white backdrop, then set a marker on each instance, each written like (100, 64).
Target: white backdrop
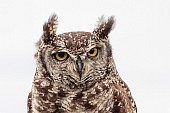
(140, 41)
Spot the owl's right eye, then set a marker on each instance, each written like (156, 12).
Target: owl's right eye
(60, 56)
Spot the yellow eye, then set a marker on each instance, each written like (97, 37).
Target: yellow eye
(61, 56)
(93, 52)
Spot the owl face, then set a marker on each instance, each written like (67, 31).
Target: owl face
(76, 59)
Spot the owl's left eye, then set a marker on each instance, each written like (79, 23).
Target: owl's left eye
(93, 52)
(60, 56)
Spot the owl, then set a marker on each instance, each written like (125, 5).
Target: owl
(76, 73)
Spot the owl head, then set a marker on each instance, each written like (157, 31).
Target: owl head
(75, 59)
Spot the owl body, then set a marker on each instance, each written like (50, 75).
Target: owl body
(76, 73)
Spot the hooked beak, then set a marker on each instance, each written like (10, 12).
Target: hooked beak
(79, 64)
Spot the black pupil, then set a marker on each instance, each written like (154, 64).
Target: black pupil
(91, 51)
(61, 54)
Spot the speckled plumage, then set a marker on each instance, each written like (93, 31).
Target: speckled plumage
(57, 85)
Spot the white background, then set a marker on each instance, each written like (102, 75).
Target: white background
(140, 41)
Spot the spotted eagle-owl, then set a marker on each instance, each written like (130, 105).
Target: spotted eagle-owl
(76, 73)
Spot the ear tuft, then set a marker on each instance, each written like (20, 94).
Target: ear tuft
(104, 27)
(49, 29)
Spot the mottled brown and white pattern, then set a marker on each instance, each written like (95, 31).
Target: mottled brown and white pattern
(80, 83)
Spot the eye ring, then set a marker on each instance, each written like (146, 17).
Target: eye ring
(60, 56)
(93, 52)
